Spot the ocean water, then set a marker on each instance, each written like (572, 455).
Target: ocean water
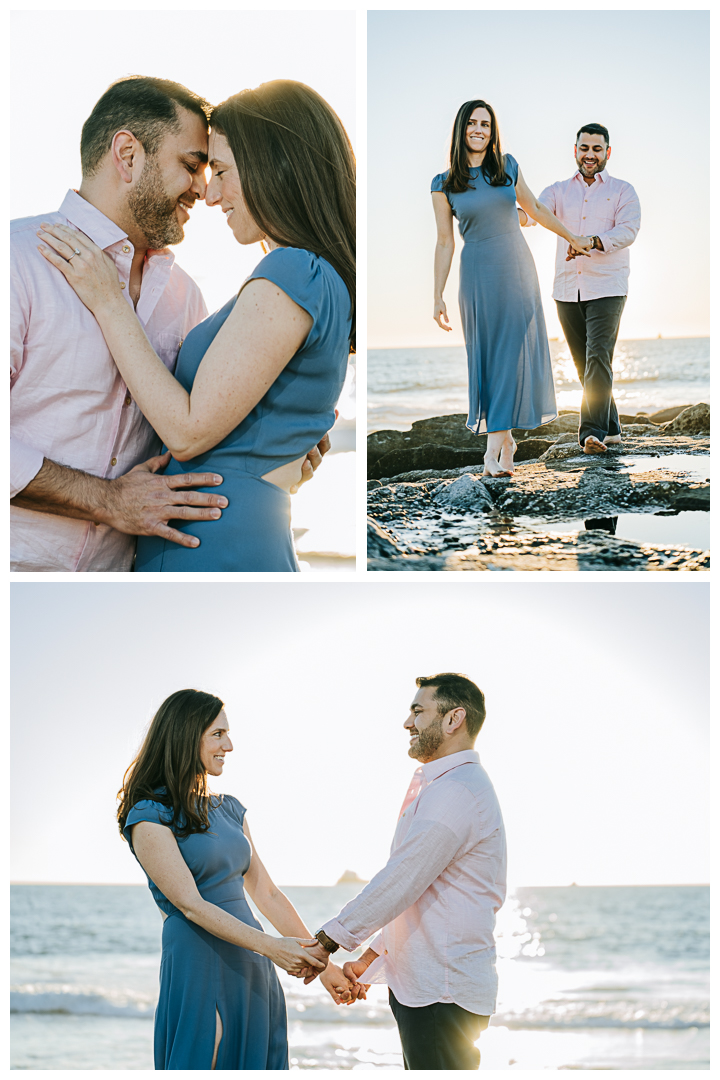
(612, 978)
(405, 385)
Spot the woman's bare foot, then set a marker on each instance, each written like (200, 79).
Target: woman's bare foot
(506, 455)
(493, 468)
(613, 439)
(594, 446)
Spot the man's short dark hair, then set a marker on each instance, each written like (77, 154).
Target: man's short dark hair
(593, 129)
(147, 107)
(453, 691)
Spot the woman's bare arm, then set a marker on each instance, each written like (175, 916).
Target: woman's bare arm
(160, 857)
(275, 906)
(444, 251)
(545, 217)
(260, 336)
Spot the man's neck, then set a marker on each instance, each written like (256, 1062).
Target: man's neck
(447, 749)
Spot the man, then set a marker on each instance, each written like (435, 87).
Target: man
(590, 292)
(436, 898)
(85, 471)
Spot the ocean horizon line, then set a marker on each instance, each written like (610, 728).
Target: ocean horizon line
(656, 337)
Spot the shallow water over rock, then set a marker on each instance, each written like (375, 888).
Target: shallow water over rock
(642, 506)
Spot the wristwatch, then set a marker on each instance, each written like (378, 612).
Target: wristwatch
(327, 943)
(595, 242)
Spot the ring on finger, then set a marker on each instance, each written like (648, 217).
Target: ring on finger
(76, 251)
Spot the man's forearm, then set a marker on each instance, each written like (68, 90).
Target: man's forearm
(58, 489)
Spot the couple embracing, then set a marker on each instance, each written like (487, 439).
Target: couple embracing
(113, 353)
(595, 217)
(429, 914)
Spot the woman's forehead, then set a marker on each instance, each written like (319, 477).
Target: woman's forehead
(219, 147)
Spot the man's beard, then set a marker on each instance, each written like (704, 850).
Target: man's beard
(429, 740)
(593, 172)
(154, 210)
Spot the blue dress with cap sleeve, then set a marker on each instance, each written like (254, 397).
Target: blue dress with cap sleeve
(509, 372)
(199, 972)
(254, 532)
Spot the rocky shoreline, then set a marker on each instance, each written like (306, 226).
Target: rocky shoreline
(430, 508)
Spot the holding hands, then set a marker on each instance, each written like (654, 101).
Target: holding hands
(579, 245)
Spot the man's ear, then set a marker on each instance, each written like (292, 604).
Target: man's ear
(456, 718)
(609, 152)
(128, 156)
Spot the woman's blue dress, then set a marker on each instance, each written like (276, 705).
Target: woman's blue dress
(509, 371)
(254, 532)
(199, 972)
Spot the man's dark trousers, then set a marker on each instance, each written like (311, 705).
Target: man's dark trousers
(439, 1036)
(591, 330)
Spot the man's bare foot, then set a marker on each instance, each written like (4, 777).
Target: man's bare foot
(506, 456)
(613, 439)
(493, 468)
(594, 446)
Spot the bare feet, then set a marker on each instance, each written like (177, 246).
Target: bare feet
(506, 455)
(493, 468)
(614, 439)
(594, 446)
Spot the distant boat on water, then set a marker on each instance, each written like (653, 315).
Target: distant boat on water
(350, 878)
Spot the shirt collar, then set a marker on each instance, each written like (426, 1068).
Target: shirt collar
(101, 229)
(433, 769)
(602, 176)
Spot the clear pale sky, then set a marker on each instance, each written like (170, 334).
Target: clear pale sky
(597, 744)
(643, 74)
(62, 61)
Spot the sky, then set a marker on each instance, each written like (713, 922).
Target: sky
(643, 74)
(597, 743)
(216, 56)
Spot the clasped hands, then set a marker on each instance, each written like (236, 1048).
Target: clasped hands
(342, 985)
(574, 249)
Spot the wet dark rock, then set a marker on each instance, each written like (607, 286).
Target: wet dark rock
(694, 420)
(380, 543)
(429, 456)
(465, 493)
(465, 519)
(663, 415)
(444, 442)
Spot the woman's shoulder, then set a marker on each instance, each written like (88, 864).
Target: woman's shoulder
(149, 810)
(511, 166)
(439, 180)
(234, 807)
(307, 278)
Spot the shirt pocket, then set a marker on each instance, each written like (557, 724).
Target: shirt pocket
(167, 346)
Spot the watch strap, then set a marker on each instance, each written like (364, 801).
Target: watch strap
(327, 943)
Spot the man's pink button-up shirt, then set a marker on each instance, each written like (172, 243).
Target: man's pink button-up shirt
(436, 898)
(608, 208)
(68, 400)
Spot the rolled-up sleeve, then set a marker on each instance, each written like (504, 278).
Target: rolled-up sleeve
(437, 834)
(627, 222)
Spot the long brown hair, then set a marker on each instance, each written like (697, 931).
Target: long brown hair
(296, 169)
(169, 758)
(493, 166)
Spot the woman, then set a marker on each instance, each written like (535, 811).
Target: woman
(256, 384)
(510, 376)
(221, 1005)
